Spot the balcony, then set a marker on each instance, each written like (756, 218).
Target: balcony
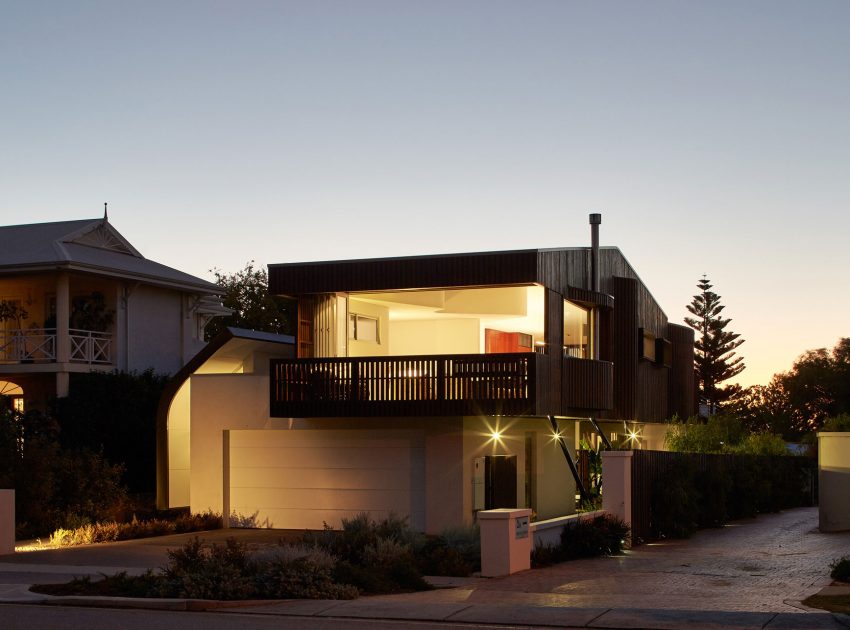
(38, 345)
(442, 385)
(473, 384)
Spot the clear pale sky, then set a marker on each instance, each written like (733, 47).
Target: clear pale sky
(714, 137)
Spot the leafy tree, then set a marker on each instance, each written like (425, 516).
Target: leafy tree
(817, 387)
(247, 295)
(715, 359)
(765, 408)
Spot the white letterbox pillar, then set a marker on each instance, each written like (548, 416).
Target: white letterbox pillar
(506, 541)
(7, 522)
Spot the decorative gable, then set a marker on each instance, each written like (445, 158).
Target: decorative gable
(104, 237)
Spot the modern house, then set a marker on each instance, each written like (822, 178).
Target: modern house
(76, 296)
(428, 386)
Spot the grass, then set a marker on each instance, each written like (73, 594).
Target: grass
(832, 603)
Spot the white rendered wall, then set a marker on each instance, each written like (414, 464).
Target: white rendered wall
(219, 402)
(178, 447)
(834, 481)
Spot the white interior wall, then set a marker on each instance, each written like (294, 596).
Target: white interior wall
(435, 336)
(357, 348)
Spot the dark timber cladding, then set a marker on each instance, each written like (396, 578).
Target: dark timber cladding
(417, 272)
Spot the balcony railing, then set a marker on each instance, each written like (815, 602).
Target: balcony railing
(38, 345)
(406, 386)
(88, 346)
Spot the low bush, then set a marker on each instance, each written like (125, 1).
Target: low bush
(455, 552)
(111, 531)
(602, 535)
(840, 569)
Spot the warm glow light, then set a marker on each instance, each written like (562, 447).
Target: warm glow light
(633, 435)
(496, 436)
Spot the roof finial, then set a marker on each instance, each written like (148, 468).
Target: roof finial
(105, 213)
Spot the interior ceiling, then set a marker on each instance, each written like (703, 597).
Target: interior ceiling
(483, 303)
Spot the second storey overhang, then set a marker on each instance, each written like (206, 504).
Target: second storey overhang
(566, 271)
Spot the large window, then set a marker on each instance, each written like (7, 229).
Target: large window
(577, 331)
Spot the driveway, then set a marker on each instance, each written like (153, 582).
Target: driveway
(766, 564)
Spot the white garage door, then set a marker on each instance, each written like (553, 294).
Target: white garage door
(301, 479)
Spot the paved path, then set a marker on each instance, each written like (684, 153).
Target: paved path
(749, 575)
(767, 564)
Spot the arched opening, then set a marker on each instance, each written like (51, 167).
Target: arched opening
(12, 396)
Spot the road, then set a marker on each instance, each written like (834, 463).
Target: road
(28, 617)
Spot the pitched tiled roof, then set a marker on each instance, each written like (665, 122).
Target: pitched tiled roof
(91, 245)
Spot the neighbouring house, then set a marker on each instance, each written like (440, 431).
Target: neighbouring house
(429, 386)
(76, 296)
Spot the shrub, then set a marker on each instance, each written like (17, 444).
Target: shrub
(837, 423)
(455, 552)
(840, 569)
(199, 571)
(602, 535)
(374, 556)
(301, 573)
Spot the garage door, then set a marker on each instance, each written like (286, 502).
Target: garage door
(301, 479)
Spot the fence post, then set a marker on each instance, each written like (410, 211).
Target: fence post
(834, 486)
(7, 522)
(617, 484)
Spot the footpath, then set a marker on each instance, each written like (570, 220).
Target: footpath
(751, 574)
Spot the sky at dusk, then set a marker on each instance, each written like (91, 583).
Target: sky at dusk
(714, 138)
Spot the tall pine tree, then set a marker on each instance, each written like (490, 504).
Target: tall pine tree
(714, 360)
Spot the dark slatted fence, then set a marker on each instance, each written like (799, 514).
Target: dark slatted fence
(715, 488)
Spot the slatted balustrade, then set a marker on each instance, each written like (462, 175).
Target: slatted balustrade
(408, 385)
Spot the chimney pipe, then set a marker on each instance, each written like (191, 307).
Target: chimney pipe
(595, 222)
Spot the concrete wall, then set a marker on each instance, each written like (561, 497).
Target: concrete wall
(834, 481)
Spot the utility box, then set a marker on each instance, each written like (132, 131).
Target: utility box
(7, 522)
(506, 541)
(834, 481)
